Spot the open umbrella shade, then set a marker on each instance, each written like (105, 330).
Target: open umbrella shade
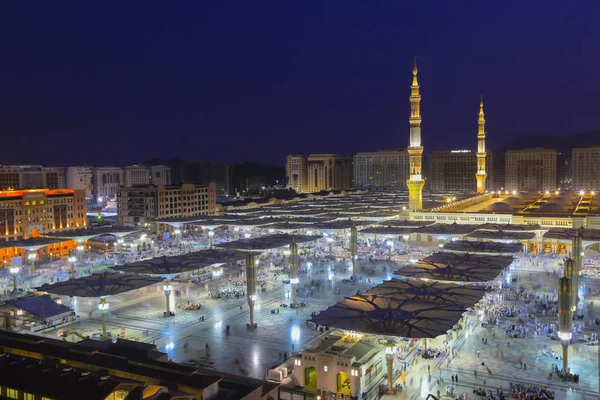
(267, 242)
(389, 316)
(461, 296)
(340, 225)
(587, 235)
(87, 234)
(163, 266)
(450, 273)
(485, 261)
(100, 285)
(388, 230)
(286, 226)
(31, 244)
(446, 229)
(467, 246)
(183, 263)
(501, 235)
(508, 227)
(405, 224)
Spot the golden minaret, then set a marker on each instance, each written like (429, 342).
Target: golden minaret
(481, 175)
(415, 182)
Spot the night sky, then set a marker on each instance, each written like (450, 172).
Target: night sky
(86, 83)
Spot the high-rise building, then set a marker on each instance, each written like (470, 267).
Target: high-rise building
(453, 170)
(33, 212)
(565, 170)
(586, 168)
(135, 175)
(415, 181)
(80, 178)
(141, 175)
(329, 172)
(531, 169)
(107, 181)
(141, 204)
(381, 170)
(160, 175)
(296, 172)
(31, 177)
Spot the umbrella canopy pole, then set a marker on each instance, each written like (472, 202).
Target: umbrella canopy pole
(294, 270)
(103, 308)
(251, 286)
(353, 248)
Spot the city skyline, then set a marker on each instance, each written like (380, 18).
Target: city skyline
(179, 82)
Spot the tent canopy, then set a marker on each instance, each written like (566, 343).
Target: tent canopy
(30, 244)
(501, 235)
(41, 307)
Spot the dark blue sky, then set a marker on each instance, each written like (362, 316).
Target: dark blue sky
(84, 82)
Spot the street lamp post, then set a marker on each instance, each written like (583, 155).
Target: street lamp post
(72, 260)
(167, 291)
(406, 238)
(330, 243)
(390, 245)
(211, 234)
(103, 308)
(14, 271)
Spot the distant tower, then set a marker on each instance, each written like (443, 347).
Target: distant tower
(415, 182)
(481, 175)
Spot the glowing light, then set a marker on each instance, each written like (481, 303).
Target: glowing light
(581, 193)
(246, 235)
(295, 334)
(170, 346)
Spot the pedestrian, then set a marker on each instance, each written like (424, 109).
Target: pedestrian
(452, 379)
(456, 378)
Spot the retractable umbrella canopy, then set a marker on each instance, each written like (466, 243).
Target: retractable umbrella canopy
(100, 285)
(478, 260)
(82, 235)
(467, 246)
(389, 316)
(501, 235)
(449, 273)
(31, 244)
(462, 296)
(267, 242)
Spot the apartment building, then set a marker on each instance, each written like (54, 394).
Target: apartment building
(80, 178)
(329, 172)
(586, 168)
(381, 170)
(31, 177)
(145, 204)
(106, 182)
(454, 171)
(296, 172)
(531, 169)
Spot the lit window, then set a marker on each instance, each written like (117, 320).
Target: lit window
(325, 368)
(12, 393)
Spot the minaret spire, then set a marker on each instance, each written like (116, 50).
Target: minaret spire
(415, 182)
(481, 174)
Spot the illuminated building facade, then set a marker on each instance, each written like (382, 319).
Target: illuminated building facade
(415, 182)
(453, 170)
(329, 172)
(381, 170)
(296, 172)
(140, 205)
(531, 169)
(586, 168)
(31, 213)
